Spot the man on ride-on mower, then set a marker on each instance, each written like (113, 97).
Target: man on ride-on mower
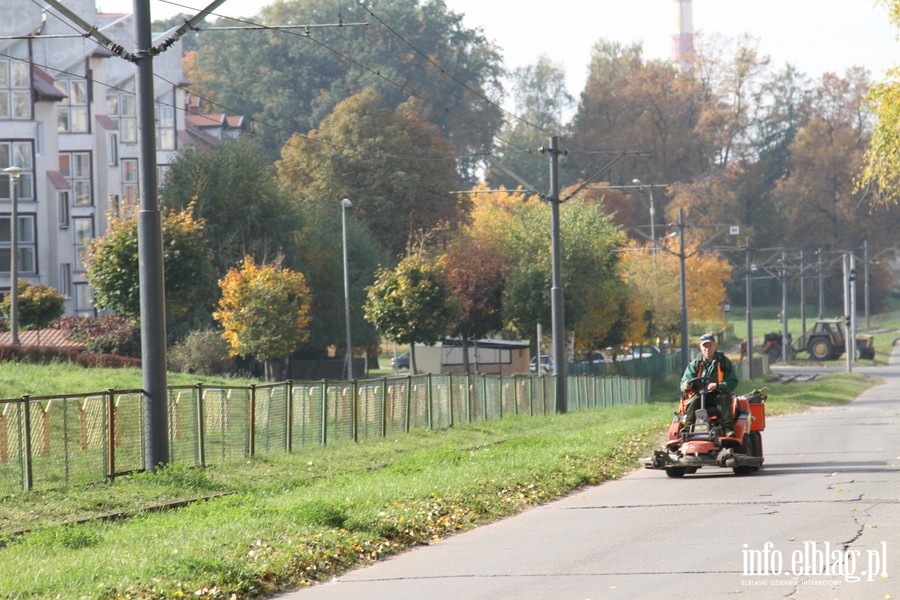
(717, 368)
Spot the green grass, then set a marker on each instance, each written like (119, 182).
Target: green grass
(256, 526)
(18, 379)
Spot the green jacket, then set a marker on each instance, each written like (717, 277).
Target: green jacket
(698, 368)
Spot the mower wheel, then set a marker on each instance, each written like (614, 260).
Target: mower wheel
(746, 448)
(756, 445)
(675, 471)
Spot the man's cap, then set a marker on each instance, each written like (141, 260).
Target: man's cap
(707, 338)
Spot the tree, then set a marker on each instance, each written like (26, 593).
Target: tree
(263, 311)
(395, 167)
(112, 269)
(319, 244)
(411, 303)
(592, 284)
(38, 305)
(232, 188)
(290, 81)
(540, 96)
(881, 174)
(474, 270)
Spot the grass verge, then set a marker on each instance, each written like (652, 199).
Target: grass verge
(280, 521)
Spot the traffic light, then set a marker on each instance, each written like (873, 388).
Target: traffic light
(847, 322)
(852, 275)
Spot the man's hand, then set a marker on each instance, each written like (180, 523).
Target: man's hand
(712, 386)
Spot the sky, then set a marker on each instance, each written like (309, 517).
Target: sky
(816, 36)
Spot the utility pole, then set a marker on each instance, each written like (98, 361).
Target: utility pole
(685, 359)
(150, 263)
(556, 289)
(749, 279)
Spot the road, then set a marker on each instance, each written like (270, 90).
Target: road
(826, 506)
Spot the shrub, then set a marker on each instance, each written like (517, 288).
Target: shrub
(106, 334)
(203, 352)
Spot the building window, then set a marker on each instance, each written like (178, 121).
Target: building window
(120, 107)
(72, 112)
(76, 167)
(84, 299)
(130, 190)
(165, 121)
(63, 208)
(84, 232)
(18, 154)
(26, 264)
(15, 83)
(65, 280)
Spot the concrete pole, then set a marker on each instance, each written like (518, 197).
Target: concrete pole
(345, 204)
(556, 290)
(150, 261)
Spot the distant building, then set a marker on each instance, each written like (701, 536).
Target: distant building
(68, 119)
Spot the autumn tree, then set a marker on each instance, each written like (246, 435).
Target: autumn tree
(37, 305)
(411, 303)
(232, 188)
(112, 270)
(474, 270)
(394, 166)
(592, 285)
(263, 311)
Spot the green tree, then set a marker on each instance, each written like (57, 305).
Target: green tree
(411, 48)
(112, 270)
(881, 174)
(38, 305)
(320, 246)
(540, 96)
(263, 311)
(394, 166)
(411, 303)
(232, 188)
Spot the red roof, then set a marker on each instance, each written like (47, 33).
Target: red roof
(51, 337)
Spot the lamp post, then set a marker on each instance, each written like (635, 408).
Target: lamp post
(14, 172)
(345, 204)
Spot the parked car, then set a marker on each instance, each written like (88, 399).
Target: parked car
(400, 362)
(546, 364)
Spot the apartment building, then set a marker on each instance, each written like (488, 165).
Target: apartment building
(68, 121)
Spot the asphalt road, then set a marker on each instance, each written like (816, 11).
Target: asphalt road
(821, 520)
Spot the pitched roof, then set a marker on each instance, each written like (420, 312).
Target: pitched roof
(51, 337)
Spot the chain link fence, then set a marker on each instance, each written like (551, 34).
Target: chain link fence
(75, 439)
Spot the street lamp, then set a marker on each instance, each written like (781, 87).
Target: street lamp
(14, 172)
(345, 204)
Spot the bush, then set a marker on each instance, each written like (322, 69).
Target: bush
(203, 352)
(107, 334)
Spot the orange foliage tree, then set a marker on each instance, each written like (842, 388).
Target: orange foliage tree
(264, 310)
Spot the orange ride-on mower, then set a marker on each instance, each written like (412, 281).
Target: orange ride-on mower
(705, 445)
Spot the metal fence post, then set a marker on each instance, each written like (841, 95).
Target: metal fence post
(324, 412)
(408, 403)
(384, 388)
(110, 435)
(429, 398)
(289, 417)
(354, 412)
(251, 421)
(201, 439)
(27, 480)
